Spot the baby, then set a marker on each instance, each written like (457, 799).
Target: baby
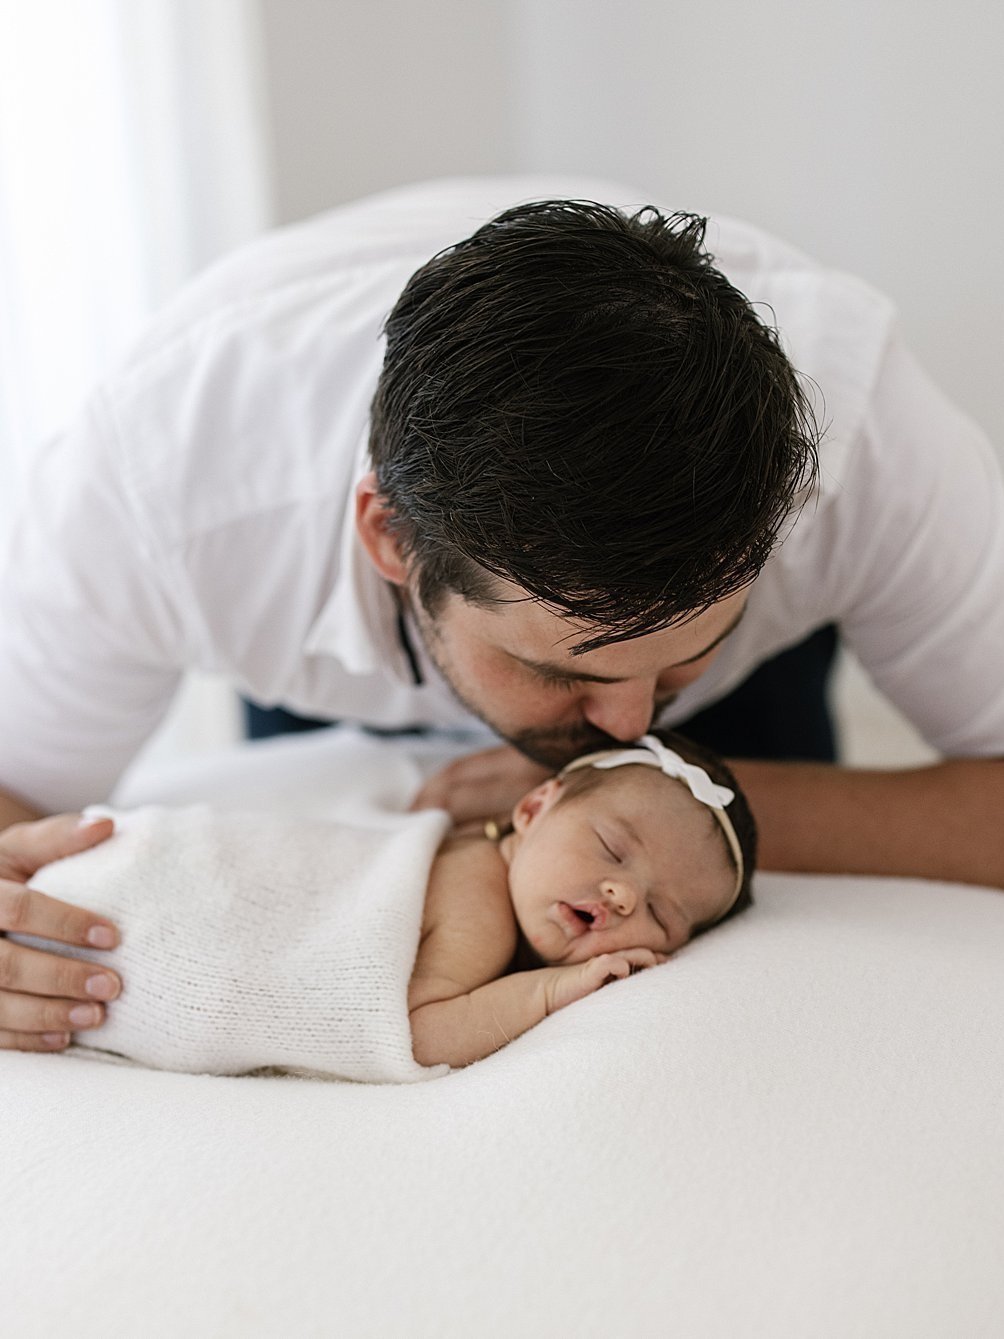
(603, 870)
(380, 949)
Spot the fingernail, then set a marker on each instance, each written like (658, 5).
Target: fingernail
(55, 1039)
(84, 1015)
(90, 820)
(101, 987)
(101, 936)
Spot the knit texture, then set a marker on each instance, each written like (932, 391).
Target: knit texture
(253, 941)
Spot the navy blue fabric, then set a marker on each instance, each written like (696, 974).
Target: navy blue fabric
(781, 711)
(264, 722)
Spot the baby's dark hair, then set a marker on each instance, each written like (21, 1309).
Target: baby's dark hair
(739, 812)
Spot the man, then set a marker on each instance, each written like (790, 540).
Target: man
(585, 488)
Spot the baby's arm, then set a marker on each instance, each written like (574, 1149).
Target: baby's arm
(458, 1026)
(462, 1008)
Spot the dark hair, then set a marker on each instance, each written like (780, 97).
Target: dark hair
(577, 401)
(739, 812)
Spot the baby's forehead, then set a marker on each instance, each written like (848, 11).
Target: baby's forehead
(649, 791)
(667, 819)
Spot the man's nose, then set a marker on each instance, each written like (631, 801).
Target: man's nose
(623, 710)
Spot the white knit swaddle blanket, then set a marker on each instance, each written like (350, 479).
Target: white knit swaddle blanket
(252, 941)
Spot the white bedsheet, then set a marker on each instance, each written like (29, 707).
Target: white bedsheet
(795, 1128)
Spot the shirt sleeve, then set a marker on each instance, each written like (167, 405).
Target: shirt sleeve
(921, 567)
(90, 643)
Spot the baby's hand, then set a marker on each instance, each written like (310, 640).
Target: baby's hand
(580, 979)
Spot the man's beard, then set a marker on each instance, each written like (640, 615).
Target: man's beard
(551, 746)
(555, 747)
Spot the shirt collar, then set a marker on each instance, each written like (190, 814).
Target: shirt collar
(358, 625)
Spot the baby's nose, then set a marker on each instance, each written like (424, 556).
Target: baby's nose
(620, 895)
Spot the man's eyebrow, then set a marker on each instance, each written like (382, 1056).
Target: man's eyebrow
(550, 671)
(559, 672)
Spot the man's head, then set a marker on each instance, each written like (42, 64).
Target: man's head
(627, 857)
(577, 409)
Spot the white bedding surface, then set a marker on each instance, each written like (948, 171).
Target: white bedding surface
(795, 1128)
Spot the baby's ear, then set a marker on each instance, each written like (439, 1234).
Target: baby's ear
(534, 803)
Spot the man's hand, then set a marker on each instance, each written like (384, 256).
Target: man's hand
(481, 785)
(45, 997)
(580, 979)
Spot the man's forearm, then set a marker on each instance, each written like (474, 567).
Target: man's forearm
(468, 1027)
(13, 810)
(940, 822)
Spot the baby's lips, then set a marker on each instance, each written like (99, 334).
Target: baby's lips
(598, 912)
(575, 925)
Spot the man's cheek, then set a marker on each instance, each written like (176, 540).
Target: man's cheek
(510, 685)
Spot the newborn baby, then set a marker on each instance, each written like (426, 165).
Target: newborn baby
(376, 950)
(603, 870)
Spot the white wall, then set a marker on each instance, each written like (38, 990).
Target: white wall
(868, 132)
(368, 94)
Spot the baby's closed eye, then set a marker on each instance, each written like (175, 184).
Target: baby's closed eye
(609, 849)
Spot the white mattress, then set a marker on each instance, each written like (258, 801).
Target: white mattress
(795, 1128)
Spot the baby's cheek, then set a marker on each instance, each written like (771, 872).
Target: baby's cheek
(529, 913)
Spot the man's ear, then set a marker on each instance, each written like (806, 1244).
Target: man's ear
(382, 545)
(535, 803)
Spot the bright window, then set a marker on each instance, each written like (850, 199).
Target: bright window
(130, 155)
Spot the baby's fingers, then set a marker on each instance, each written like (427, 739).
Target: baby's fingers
(609, 967)
(625, 962)
(640, 958)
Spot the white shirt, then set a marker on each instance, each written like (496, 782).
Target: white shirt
(199, 515)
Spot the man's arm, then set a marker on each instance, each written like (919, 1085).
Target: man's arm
(906, 554)
(938, 822)
(92, 637)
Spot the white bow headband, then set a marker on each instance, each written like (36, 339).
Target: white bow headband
(652, 752)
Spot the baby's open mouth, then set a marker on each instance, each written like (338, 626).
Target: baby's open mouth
(577, 920)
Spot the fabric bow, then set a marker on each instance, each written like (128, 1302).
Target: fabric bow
(653, 752)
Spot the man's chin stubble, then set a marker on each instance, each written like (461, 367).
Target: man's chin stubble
(556, 748)
(549, 747)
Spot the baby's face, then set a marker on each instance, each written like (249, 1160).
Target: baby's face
(632, 862)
